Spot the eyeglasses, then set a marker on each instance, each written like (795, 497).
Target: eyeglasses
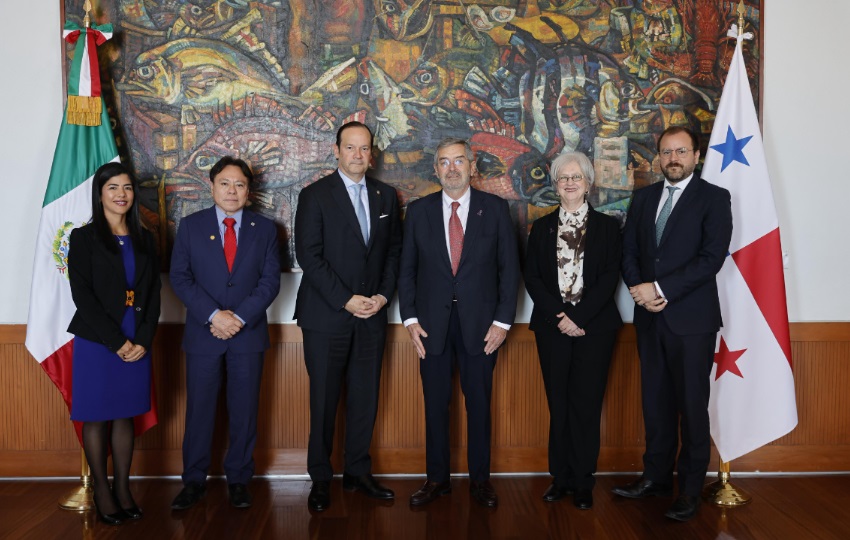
(681, 152)
(575, 179)
(457, 162)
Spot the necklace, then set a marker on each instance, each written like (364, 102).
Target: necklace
(120, 240)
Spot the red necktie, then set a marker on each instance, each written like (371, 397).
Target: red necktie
(455, 237)
(229, 242)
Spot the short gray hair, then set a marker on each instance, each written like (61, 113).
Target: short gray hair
(451, 141)
(571, 157)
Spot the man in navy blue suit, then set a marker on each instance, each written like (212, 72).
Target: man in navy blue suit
(676, 238)
(457, 298)
(225, 268)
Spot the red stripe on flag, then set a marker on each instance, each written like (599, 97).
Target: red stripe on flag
(760, 263)
(58, 368)
(91, 37)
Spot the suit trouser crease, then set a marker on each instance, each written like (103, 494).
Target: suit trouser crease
(675, 387)
(203, 383)
(353, 357)
(476, 379)
(575, 374)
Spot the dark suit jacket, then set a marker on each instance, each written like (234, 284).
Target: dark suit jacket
(336, 262)
(200, 278)
(98, 287)
(692, 250)
(487, 278)
(597, 310)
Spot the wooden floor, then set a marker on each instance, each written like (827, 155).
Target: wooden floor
(799, 507)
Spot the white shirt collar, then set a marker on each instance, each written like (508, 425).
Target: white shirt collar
(464, 199)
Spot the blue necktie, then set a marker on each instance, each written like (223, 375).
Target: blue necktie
(665, 213)
(360, 211)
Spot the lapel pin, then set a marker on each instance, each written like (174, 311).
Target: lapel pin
(252, 223)
(212, 237)
(377, 192)
(480, 213)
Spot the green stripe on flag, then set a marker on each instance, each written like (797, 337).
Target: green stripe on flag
(80, 150)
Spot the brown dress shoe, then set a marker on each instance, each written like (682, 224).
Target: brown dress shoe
(484, 494)
(429, 492)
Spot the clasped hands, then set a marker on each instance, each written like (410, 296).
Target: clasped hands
(364, 307)
(567, 326)
(225, 324)
(646, 296)
(130, 352)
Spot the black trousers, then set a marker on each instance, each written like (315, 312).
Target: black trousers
(355, 358)
(675, 387)
(575, 374)
(476, 381)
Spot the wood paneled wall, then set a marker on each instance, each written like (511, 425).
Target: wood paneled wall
(36, 438)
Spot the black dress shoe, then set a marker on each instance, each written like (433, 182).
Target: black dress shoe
(188, 496)
(366, 484)
(641, 488)
(583, 499)
(320, 496)
(429, 492)
(684, 508)
(484, 494)
(555, 493)
(134, 512)
(240, 497)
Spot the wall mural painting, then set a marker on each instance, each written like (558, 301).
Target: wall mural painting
(523, 80)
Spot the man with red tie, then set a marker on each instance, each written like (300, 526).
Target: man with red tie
(457, 294)
(225, 267)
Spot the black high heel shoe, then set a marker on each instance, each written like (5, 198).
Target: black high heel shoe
(133, 513)
(116, 518)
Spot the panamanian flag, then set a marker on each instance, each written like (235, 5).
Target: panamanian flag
(80, 150)
(752, 385)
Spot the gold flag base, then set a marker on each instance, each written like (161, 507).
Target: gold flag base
(723, 493)
(81, 498)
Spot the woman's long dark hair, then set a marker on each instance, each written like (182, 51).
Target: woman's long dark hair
(134, 223)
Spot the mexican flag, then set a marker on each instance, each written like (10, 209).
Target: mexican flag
(80, 150)
(752, 385)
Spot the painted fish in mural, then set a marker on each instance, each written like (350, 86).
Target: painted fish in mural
(512, 170)
(403, 19)
(200, 73)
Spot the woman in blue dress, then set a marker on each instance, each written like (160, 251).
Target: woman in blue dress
(115, 283)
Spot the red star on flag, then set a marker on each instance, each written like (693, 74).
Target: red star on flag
(726, 360)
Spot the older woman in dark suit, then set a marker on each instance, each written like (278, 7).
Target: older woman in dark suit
(572, 271)
(115, 283)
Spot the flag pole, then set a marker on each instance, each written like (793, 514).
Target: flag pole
(81, 498)
(722, 492)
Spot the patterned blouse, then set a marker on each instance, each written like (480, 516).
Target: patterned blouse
(570, 252)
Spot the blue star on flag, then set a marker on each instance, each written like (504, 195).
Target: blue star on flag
(732, 149)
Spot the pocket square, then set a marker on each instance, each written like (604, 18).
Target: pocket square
(382, 216)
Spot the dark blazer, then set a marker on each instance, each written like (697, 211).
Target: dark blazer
(692, 251)
(200, 278)
(487, 278)
(99, 285)
(597, 310)
(336, 261)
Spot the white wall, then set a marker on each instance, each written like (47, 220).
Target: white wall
(805, 110)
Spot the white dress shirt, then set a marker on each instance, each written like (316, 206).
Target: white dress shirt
(677, 194)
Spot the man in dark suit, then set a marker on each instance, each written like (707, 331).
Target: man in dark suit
(225, 268)
(676, 238)
(457, 299)
(348, 242)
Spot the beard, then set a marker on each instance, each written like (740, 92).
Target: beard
(674, 172)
